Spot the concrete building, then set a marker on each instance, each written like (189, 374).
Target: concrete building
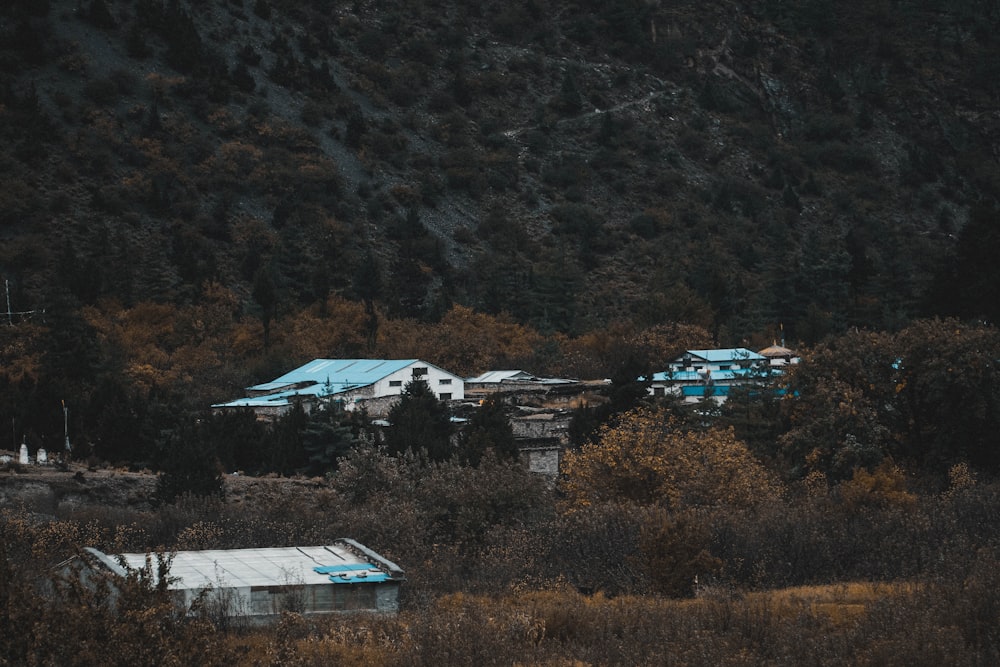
(258, 584)
(372, 383)
(697, 375)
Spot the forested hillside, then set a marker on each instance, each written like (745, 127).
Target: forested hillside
(197, 195)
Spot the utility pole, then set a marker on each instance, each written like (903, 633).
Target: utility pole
(69, 448)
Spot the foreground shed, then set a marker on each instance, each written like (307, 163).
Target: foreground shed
(261, 583)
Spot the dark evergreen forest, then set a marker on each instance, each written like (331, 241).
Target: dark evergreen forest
(197, 195)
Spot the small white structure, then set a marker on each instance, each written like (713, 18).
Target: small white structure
(23, 457)
(41, 457)
(258, 584)
(778, 355)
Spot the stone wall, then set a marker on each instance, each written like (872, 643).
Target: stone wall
(542, 460)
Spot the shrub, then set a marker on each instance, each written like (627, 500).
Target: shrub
(649, 458)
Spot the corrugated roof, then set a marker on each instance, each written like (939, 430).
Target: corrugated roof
(223, 568)
(269, 401)
(726, 354)
(701, 390)
(694, 376)
(341, 373)
(500, 376)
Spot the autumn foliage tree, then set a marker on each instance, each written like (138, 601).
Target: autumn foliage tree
(649, 459)
(926, 396)
(948, 393)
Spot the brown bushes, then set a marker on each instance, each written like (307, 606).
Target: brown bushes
(495, 574)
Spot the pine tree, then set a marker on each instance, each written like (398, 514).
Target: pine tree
(325, 439)
(420, 422)
(189, 466)
(489, 429)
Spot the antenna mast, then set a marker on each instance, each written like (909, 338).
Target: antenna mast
(12, 313)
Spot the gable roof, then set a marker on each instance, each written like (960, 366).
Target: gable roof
(341, 374)
(322, 378)
(723, 355)
(500, 376)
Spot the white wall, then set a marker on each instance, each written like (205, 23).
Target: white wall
(440, 382)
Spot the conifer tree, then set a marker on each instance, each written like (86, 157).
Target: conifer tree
(489, 429)
(419, 422)
(189, 466)
(325, 439)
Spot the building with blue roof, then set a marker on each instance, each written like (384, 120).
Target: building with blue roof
(700, 374)
(259, 584)
(374, 383)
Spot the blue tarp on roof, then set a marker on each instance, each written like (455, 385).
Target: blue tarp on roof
(348, 573)
(341, 373)
(355, 578)
(346, 567)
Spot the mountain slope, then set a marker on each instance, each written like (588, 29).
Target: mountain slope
(727, 163)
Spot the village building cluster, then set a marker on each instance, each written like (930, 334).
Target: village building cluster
(257, 585)
(540, 407)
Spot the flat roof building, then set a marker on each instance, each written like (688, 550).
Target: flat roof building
(261, 583)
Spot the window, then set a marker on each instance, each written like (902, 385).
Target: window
(657, 391)
(445, 381)
(275, 599)
(354, 596)
(395, 383)
(445, 397)
(419, 371)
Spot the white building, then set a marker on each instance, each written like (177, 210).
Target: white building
(700, 374)
(258, 584)
(350, 382)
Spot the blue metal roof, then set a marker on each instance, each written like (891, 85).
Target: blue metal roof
(282, 398)
(733, 354)
(270, 401)
(699, 376)
(702, 390)
(340, 373)
(696, 376)
(276, 399)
